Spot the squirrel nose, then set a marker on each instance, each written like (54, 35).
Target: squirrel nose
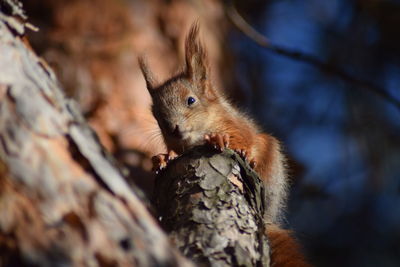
(176, 132)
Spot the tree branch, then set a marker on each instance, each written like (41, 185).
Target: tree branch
(263, 41)
(212, 205)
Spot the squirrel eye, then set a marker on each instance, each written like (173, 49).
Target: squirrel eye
(190, 100)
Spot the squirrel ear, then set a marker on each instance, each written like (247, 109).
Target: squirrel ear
(196, 59)
(148, 75)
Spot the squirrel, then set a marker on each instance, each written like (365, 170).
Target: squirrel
(191, 112)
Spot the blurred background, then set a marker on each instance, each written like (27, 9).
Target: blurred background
(342, 138)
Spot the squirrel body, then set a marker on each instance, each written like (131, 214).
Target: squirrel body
(191, 112)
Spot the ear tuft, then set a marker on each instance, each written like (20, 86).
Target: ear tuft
(148, 75)
(196, 58)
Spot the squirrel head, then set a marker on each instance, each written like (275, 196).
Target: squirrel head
(183, 105)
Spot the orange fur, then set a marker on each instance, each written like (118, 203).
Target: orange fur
(212, 119)
(285, 251)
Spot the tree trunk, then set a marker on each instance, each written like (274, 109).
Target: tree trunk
(62, 199)
(212, 204)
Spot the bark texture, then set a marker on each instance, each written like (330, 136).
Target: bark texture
(62, 199)
(212, 204)
(95, 59)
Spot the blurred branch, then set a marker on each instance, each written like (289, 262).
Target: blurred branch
(263, 41)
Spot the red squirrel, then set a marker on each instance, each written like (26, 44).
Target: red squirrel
(191, 112)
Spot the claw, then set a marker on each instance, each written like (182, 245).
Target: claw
(161, 161)
(225, 140)
(244, 154)
(172, 155)
(217, 141)
(207, 138)
(253, 164)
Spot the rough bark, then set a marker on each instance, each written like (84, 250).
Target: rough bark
(95, 59)
(62, 199)
(211, 204)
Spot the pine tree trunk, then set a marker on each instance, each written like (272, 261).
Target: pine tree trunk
(62, 199)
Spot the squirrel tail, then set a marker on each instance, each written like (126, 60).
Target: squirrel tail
(285, 251)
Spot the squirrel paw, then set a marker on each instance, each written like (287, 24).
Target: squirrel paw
(160, 161)
(221, 141)
(217, 141)
(244, 155)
